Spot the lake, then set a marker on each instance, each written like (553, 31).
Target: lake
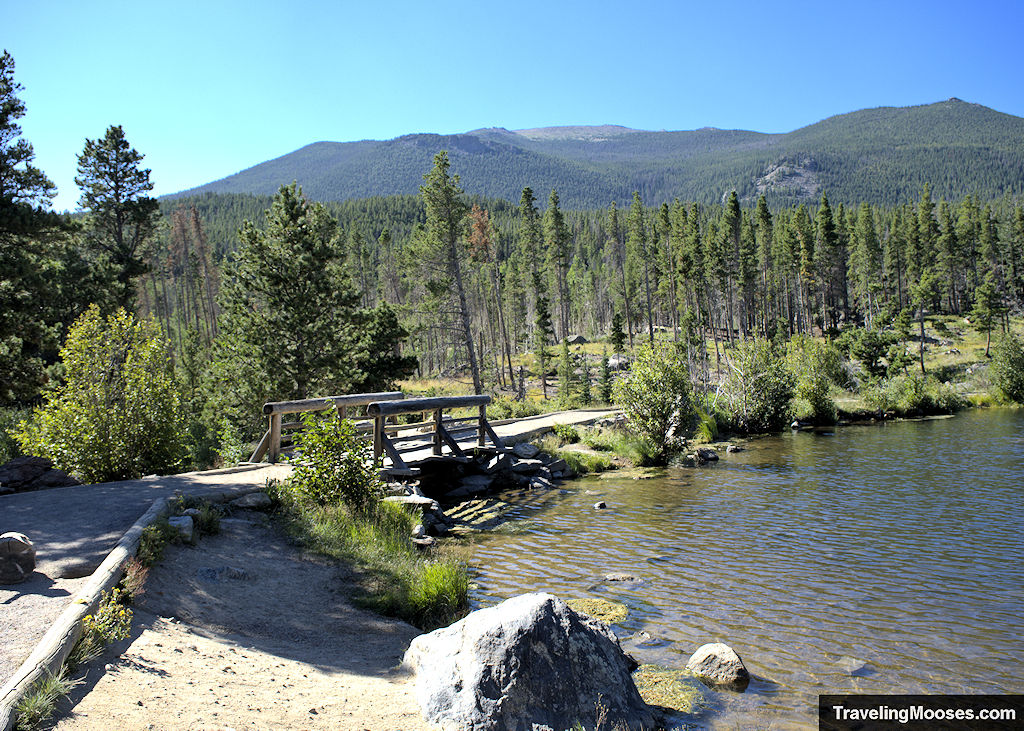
(869, 559)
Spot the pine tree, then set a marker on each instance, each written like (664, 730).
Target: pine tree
(288, 326)
(122, 218)
(557, 240)
(446, 213)
(543, 332)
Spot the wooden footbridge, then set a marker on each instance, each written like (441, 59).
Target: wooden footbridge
(406, 431)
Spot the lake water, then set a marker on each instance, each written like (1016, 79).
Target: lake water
(897, 547)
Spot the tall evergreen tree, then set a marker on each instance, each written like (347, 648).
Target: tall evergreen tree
(558, 241)
(122, 218)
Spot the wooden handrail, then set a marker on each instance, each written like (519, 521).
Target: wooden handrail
(319, 404)
(270, 444)
(441, 436)
(387, 407)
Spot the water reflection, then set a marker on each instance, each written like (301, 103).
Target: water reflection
(871, 559)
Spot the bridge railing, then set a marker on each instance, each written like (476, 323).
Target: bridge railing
(270, 444)
(441, 431)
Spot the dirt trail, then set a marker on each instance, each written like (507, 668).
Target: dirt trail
(244, 631)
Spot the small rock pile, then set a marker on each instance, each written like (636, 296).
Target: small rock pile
(23, 474)
(450, 481)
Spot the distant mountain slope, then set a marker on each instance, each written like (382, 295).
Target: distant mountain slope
(882, 156)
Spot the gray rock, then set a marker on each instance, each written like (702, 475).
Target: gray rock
(191, 512)
(221, 573)
(481, 482)
(719, 664)
(629, 578)
(418, 501)
(498, 463)
(424, 542)
(705, 454)
(577, 340)
(733, 448)
(17, 558)
(527, 466)
(22, 474)
(526, 450)
(419, 531)
(600, 505)
(529, 662)
(855, 667)
(185, 527)
(253, 501)
(77, 568)
(540, 483)
(558, 465)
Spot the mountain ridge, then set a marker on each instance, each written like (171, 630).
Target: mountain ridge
(880, 155)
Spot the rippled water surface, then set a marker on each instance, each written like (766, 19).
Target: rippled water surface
(883, 559)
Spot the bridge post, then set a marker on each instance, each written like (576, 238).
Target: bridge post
(437, 431)
(275, 437)
(480, 433)
(378, 438)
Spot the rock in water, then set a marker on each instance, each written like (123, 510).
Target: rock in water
(719, 664)
(528, 662)
(17, 558)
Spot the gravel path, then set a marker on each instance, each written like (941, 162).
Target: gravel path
(73, 529)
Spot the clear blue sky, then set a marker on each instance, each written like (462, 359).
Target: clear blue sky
(206, 88)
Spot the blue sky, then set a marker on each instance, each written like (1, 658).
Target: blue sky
(207, 88)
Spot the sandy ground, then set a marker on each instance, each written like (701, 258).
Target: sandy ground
(243, 631)
(74, 528)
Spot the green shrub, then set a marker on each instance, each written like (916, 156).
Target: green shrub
(334, 464)
(914, 395)
(155, 536)
(584, 463)
(567, 433)
(9, 419)
(117, 415)
(1007, 369)
(656, 396)
(758, 388)
(816, 365)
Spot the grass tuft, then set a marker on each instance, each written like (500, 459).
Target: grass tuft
(39, 704)
(396, 578)
(669, 688)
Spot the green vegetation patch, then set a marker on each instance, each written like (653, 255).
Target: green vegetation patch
(40, 703)
(602, 609)
(669, 688)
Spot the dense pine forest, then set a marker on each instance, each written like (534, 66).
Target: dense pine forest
(271, 298)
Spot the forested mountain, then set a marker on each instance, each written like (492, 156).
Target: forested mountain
(880, 156)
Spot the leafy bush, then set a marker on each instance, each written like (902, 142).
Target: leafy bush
(566, 432)
(758, 389)
(816, 365)
(9, 418)
(118, 414)
(335, 464)
(155, 536)
(914, 395)
(656, 396)
(1007, 370)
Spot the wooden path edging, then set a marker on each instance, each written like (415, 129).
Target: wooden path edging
(53, 649)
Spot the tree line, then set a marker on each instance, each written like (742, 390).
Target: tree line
(304, 298)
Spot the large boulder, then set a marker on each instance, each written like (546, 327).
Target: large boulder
(719, 664)
(530, 662)
(17, 558)
(22, 474)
